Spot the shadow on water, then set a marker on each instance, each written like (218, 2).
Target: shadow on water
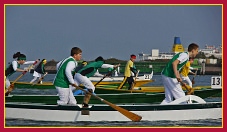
(188, 123)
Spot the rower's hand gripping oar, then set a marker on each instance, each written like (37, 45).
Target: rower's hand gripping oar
(128, 114)
(11, 87)
(108, 74)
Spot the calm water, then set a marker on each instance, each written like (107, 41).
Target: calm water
(199, 80)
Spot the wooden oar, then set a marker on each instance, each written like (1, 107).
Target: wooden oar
(40, 79)
(134, 83)
(11, 87)
(128, 114)
(193, 79)
(108, 74)
(102, 79)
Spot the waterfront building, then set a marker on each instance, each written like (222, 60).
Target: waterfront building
(178, 47)
(155, 54)
(212, 50)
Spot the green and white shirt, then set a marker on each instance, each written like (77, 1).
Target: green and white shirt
(13, 67)
(64, 76)
(91, 69)
(183, 57)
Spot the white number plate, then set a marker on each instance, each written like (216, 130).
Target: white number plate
(216, 82)
(147, 77)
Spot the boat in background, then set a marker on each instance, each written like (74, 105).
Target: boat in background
(49, 85)
(120, 78)
(102, 89)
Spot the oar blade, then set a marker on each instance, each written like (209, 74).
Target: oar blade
(128, 114)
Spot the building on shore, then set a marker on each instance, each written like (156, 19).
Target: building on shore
(155, 54)
(178, 47)
(210, 50)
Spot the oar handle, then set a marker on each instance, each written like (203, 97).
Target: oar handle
(133, 84)
(195, 73)
(42, 78)
(137, 74)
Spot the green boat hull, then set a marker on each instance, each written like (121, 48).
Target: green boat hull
(123, 98)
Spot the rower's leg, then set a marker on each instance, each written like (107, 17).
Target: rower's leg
(87, 98)
(122, 83)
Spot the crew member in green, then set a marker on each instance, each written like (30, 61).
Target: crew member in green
(170, 74)
(39, 70)
(83, 64)
(64, 78)
(15, 66)
(130, 71)
(82, 76)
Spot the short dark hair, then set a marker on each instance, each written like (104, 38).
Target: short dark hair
(99, 59)
(192, 46)
(75, 50)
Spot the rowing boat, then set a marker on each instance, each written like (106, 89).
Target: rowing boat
(117, 98)
(49, 85)
(102, 89)
(189, 107)
(120, 78)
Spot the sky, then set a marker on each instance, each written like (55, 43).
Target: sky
(111, 31)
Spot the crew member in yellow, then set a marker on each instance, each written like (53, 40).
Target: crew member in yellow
(130, 71)
(186, 69)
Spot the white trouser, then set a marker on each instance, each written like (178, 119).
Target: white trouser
(188, 81)
(33, 79)
(7, 82)
(65, 96)
(80, 79)
(173, 89)
(36, 75)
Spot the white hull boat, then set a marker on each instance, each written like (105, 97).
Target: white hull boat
(195, 108)
(120, 78)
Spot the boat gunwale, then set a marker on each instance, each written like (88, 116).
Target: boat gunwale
(130, 107)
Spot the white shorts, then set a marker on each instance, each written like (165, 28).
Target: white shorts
(36, 74)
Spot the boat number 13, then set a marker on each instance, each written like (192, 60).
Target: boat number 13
(216, 82)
